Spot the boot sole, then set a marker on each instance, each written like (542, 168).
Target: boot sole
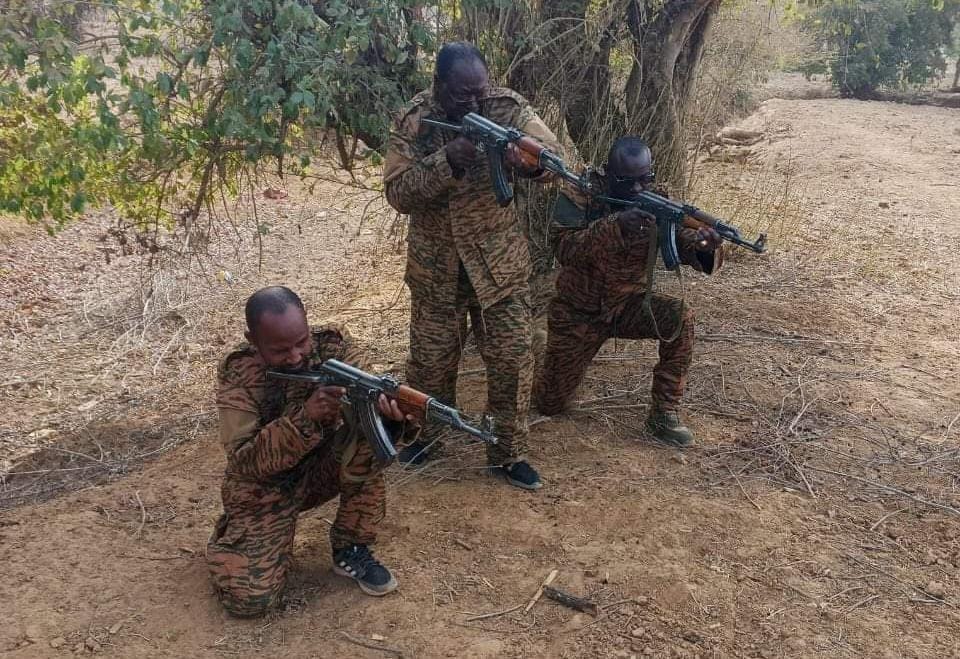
(379, 591)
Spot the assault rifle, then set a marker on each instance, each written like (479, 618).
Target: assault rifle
(670, 214)
(363, 391)
(492, 138)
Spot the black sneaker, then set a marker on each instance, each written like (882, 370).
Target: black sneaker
(358, 563)
(520, 474)
(415, 454)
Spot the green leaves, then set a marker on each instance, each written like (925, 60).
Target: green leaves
(884, 42)
(174, 101)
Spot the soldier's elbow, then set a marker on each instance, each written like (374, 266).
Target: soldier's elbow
(397, 200)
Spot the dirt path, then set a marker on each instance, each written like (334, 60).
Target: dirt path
(821, 516)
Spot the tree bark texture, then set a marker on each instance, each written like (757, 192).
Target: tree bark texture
(570, 54)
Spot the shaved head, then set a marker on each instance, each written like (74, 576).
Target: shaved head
(628, 147)
(277, 327)
(629, 167)
(272, 299)
(457, 52)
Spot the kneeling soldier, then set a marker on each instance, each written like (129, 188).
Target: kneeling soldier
(602, 288)
(290, 447)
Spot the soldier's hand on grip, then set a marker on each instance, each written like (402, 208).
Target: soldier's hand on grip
(323, 406)
(391, 410)
(514, 158)
(461, 152)
(634, 222)
(708, 239)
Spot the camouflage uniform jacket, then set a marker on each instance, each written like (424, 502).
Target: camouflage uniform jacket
(601, 269)
(454, 216)
(263, 428)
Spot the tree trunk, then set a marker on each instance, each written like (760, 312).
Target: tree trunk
(667, 54)
(956, 77)
(565, 57)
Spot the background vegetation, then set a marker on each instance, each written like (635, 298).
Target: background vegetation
(165, 110)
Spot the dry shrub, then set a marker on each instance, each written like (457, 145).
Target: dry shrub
(749, 42)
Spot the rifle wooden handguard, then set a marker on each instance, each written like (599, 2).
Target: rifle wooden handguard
(413, 402)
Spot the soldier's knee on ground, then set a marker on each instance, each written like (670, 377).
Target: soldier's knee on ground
(241, 605)
(247, 585)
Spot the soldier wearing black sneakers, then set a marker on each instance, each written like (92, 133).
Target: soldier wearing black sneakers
(466, 253)
(291, 447)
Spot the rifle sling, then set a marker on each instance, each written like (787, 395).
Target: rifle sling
(646, 305)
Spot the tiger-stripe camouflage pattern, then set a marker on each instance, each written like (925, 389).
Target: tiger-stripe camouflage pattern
(456, 220)
(464, 250)
(574, 338)
(600, 268)
(280, 463)
(600, 291)
(437, 333)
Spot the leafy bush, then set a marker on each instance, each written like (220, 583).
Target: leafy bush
(883, 42)
(164, 102)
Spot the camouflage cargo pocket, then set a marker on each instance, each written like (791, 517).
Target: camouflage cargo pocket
(423, 260)
(506, 258)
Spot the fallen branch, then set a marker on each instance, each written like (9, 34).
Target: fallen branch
(737, 478)
(865, 600)
(572, 601)
(879, 570)
(780, 339)
(950, 426)
(143, 515)
(484, 616)
(885, 518)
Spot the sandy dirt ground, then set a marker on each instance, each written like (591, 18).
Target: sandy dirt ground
(820, 515)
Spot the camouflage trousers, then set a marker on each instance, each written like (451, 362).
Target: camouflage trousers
(574, 338)
(249, 553)
(542, 290)
(437, 335)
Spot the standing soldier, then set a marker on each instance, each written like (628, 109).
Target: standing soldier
(464, 250)
(604, 291)
(290, 447)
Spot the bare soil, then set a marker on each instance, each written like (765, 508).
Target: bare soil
(820, 515)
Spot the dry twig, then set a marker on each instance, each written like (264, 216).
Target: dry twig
(484, 616)
(536, 596)
(371, 646)
(894, 490)
(143, 516)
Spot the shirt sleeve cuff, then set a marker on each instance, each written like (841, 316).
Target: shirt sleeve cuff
(309, 430)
